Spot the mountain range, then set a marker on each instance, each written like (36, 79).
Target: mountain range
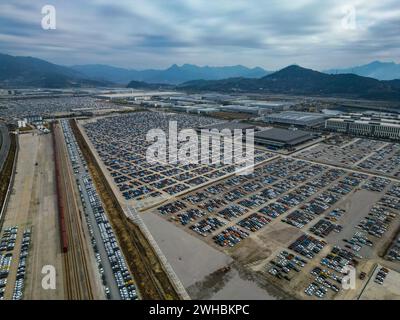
(172, 75)
(33, 72)
(296, 80)
(376, 69)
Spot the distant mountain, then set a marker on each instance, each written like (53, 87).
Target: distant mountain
(300, 81)
(173, 75)
(33, 72)
(378, 70)
(149, 86)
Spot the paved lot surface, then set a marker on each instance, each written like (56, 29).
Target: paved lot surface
(33, 204)
(389, 290)
(197, 265)
(190, 257)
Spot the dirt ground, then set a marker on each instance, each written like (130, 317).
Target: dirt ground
(389, 290)
(33, 204)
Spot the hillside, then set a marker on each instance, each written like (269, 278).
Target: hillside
(376, 69)
(301, 81)
(172, 75)
(33, 72)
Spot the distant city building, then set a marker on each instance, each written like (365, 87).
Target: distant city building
(137, 95)
(34, 119)
(21, 124)
(303, 119)
(365, 126)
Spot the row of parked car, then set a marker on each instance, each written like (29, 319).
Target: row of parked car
(307, 245)
(21, 271)
(357, 241)
(7, 242)
(394, 251)
(5, 265)
(285, 265)
(377, 222)
(376, 184)
(206, 226)
(381, 275)
(122, 276)
(324, 227)
(230, 237)
(339, 258)
(385, 160)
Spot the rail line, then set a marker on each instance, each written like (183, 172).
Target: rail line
(77, 277)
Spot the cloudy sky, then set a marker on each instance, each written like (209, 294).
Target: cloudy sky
(140, 34)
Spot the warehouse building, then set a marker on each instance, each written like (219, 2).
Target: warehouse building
(388, 129)
(240, 109)
(228, 125)
(296, 118)
(277, 138)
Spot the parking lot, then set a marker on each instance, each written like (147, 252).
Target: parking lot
(115, 277)
(386, 289)
(334, 206)
(363, 154)
(320, 198)
(121, 144)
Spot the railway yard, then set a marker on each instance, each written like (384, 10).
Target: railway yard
(86, 201)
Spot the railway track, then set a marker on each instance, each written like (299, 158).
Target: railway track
(76, 272)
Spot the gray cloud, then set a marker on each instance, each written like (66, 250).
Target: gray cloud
(157, 33)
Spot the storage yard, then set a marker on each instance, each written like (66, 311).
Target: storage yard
(144, 264)
(286, 223)
(144, 183)
(33, 209)
(91, 204)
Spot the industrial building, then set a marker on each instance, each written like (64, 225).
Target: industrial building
(364, 126)
(296, 118)
(137, 95)
(34, 119)
(282, 138)
(228, 125)
(21, 124)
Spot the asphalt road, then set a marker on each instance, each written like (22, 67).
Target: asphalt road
(5, 144)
